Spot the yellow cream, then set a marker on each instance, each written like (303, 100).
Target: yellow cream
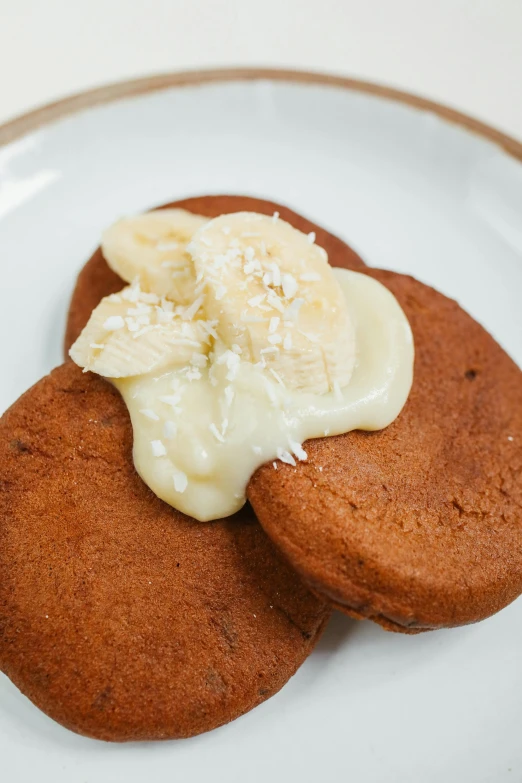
(196, 444)
(263, 347)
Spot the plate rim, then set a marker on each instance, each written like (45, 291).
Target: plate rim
(77, 102)
(45, 116)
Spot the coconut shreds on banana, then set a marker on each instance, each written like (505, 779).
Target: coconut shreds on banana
(133, 333)
(264, 289)
(272, 292)
(234, 344)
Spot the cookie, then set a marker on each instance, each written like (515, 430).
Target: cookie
(97, 280)
(417, 526)
(119, 617)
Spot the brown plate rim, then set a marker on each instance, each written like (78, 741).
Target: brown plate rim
(51, 112)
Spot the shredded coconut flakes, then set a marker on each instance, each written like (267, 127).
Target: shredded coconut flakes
(191, 311)
(180, 481)
(149, 414)
(292, 311)
(297, 449)
(216, 433)
(285, 456)
(113, 323)
(158, 448)
(277, 377)
(170, 430)
(274, 323)
(255, 301)
(289, 284)
(170, 399)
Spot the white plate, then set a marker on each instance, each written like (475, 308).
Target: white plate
(410, 192)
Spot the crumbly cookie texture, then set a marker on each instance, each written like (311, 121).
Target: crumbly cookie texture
(417, 526)
(121, 618)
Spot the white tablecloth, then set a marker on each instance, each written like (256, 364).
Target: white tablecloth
(465, 53)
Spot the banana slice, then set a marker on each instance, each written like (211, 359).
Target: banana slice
(276, 300)
(132, 333)
(152, 248)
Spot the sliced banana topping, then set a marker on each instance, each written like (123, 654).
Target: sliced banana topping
(255, 347)
(152, 248)
(274, 295)
(134, 333)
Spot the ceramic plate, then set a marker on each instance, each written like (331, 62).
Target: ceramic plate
(414, 188)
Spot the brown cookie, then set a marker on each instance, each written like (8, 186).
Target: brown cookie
(417, 526)
(97, 280)
(121, 618)
(406, 537)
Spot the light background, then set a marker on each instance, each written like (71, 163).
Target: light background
(465, 53)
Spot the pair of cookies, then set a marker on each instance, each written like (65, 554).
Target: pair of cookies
(120, 617)
(123, 619)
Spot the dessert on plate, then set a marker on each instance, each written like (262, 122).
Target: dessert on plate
(225, 350)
